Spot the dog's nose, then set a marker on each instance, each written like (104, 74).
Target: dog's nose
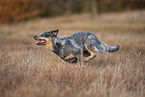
(35, 36)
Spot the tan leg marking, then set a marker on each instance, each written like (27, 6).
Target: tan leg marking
(91, 56)
(69, 56)
(83, 66)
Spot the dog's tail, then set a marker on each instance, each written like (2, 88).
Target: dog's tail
(109, 49)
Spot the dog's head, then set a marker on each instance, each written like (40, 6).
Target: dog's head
(45, 37)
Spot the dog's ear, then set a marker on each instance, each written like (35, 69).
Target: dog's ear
(55, 32)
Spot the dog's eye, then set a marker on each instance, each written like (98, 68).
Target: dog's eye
(47, 35)
(41, 34)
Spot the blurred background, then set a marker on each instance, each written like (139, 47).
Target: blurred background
(28, 70)
(20, 10)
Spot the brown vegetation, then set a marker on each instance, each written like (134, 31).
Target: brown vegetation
(27, 70)
(20, 10)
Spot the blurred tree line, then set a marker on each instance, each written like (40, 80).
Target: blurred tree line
(17, 10)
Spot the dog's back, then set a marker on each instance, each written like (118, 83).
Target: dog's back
(81, 38)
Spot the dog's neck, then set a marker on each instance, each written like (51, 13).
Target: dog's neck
(56, 40)
(56, 43)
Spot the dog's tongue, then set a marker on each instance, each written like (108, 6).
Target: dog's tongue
(39, 41)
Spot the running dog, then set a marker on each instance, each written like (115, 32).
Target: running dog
(74, 47)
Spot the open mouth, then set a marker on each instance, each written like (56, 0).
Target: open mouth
(40, 41)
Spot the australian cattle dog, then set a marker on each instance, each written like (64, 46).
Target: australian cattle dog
(74, 47)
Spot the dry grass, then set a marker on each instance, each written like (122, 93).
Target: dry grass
(27, 70)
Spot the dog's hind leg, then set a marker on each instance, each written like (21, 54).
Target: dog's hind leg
(93, 52)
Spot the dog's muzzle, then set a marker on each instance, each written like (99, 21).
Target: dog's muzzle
(35, 37)
(39, 41)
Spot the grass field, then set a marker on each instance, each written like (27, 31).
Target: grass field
(27, 70)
